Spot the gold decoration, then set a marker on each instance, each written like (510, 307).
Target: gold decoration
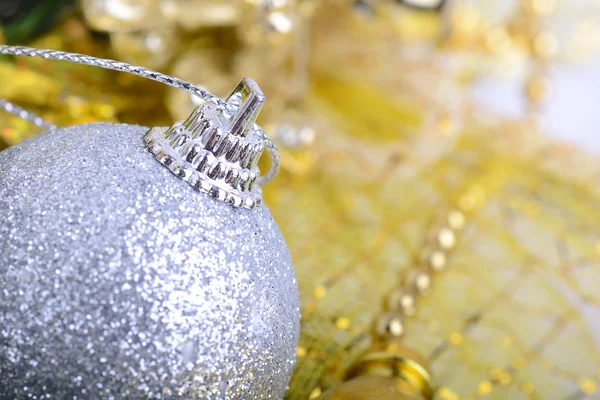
(122, 15)
(446, 238)
(437, 260)
(214, 43)
(404, 301)
(390, 324)
(494, 308)
(371, 388)
(420, 280)
(387, 372)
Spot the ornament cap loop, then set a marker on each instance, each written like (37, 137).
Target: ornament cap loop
(252, 100)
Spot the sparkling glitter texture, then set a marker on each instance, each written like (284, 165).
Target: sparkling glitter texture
(119, 280)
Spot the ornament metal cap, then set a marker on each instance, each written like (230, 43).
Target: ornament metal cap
(216, 150)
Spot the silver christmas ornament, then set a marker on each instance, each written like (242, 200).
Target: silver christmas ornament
(121, 279)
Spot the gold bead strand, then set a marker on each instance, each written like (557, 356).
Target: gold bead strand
(389, 370)
(543, 47)
(401, 304)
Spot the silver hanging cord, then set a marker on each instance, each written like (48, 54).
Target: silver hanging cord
(28, 116)
(131, 69)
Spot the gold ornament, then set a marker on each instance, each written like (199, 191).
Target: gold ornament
(387, 372)
(371, 388)
(213, 43)
(121, 15)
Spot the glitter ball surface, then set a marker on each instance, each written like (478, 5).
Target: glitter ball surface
(119, 280)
